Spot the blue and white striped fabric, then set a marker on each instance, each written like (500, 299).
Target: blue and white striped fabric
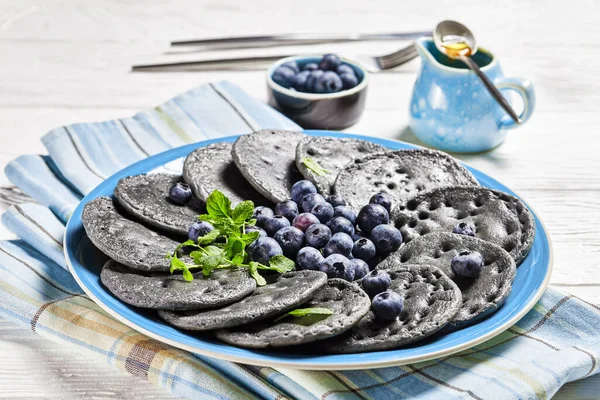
(557, 342)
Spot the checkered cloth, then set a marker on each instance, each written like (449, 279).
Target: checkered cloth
(557, 342)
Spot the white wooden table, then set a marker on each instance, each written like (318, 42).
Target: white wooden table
(66, 61)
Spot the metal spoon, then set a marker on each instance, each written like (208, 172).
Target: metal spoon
(456, 41)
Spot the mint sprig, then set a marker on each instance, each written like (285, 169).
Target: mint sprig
(314, 166)
(303, 312)
(225, 246)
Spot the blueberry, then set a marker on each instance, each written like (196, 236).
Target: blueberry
(304, 220)
(301, 80)
(261, 231)
(288, 209)
(340, 243)
(290, 239)
(329, 62)
(263, 249)
(337, 266)
(376, 282)
(323, 211)
(262, 213)
(310, 67)
(360, 268)
(273, 224)
(383, 199)
(341, 224)
(284, 76)
(309, 258)
(329, 82)
(312, 80)
(291, 64)
(301, 189)
(464, 228)
(364, 249)
(180, 194)
(345, 69)
(199, 229)
(311, 200)
(346, 212)
(318, 235)
(336, 200)
(467, 263)
(387, 306)
(387, 239)
(370, 216)
(357, 235)
(348, 81)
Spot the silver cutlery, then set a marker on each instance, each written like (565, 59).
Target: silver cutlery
(371, 63)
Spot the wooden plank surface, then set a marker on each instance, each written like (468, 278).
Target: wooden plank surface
(68, 61)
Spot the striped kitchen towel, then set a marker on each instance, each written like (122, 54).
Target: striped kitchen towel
(558, 341)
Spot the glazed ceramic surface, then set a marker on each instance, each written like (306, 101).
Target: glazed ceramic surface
(85, 262)
(452, 110)
(318, 110)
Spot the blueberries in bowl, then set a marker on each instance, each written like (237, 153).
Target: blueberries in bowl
(329, 62)
(284, 76)
(329, 82)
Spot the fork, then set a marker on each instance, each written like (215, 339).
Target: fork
(371, 63)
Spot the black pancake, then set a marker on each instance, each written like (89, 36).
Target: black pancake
(287, 292)
(431, 300)
(267, 159)
(403, 174)
(332, 154)
(146, 198)
(123, 240)
(498, 217)
(172, 292)
(347, 301)
(212, 168)
(482, 295)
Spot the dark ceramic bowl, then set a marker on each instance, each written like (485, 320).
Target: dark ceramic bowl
(321, 111)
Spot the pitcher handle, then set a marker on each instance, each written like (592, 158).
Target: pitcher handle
(524, 88)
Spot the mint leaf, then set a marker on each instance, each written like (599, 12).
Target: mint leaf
(302, 312)
(243, 212)
(209, 258)
(238, 259)
(177, 264)
(281, 264)
(218, 206)
(250, 237)
(253, 267)
(234, 246)
(314, 166)
(187, 275)
(209, 237)
(251, 222)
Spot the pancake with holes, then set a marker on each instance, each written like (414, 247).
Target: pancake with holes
(172, 292)
(498, 217)
(345, 299)
(431, 300)
(123, 240)
(267, 159)
(403, 174)
(482, 295)
(146, 198)
(212, 168)
(332, 154)
(285, 293)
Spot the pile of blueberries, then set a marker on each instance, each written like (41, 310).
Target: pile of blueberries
(328, 76)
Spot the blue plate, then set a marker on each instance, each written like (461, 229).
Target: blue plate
(85, 263)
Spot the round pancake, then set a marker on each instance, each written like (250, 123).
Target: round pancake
(332, 154)
(286, 293)
(347, 301)
(431, 300)
(146, 198)
(267, 159)
(212, 168)
(172, 292)
(498, 217)
(402, 173)
(123, 240)
(482, 295)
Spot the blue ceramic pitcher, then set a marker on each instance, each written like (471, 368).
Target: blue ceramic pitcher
(450, 107)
